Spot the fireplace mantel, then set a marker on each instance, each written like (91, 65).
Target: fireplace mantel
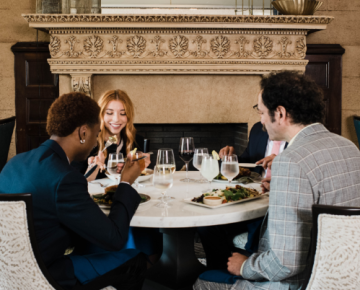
(84, 45)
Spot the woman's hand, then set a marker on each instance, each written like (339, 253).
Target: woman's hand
(99, 160)
(147, 160)
(120, 167)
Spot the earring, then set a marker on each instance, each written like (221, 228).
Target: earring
(82, 141)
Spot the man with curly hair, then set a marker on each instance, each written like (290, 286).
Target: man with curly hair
(64, 213)
(318, 167)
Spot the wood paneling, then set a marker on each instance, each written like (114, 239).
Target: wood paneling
(325, 68)
(35, 90)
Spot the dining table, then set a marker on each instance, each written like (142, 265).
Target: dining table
(178, 267)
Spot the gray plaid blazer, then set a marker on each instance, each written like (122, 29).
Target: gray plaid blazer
(318, 168)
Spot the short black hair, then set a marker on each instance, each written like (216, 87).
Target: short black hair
(299, 95)
(70, 111)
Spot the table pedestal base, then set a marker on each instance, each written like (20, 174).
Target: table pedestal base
(178, 268)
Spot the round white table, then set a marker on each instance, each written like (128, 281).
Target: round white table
(178, 267)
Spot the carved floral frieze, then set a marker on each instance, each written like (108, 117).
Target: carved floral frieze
(180, 46)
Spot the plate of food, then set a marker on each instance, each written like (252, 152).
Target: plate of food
(145, 175)
(105, 200)
(225, 197)
(245, 176)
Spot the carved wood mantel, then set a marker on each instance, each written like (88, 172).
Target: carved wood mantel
(82, 45)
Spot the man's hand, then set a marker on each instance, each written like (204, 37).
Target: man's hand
(265, 185)
(228, 150)
(267, 161)
(235, 263)
(131, 170)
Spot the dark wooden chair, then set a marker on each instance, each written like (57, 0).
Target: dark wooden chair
(335, 249)
(357, 127)
(6, 131)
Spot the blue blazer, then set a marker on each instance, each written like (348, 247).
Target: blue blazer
(64, 212)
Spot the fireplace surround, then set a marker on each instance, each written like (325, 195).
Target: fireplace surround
(177, 69)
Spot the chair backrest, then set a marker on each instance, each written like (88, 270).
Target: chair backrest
(335, 249)
(21, 266)
(357, 127)
(6, 131)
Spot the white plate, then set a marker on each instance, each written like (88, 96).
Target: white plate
(106, 206)
(146, 177)
(188, 200)
(139, 179)
(254, 176)
(249, 165)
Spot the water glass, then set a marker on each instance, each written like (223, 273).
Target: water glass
(163, 180)
(209, 168)
(230, 166)
(165, 163)
(113, 160)
(198, 156)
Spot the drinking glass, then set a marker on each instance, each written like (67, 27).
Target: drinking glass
(209, 168)
(113, 160)
(186, 153)
(198, 156)
(165, 162)
(137, 155)
(163, 180)
(230, 167)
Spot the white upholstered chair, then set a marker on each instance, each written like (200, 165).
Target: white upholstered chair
(21, 266)
(335, 250)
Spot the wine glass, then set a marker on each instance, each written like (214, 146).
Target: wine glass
(209, 168)
(198, 156)
(137, 155)
(230, 167)
(113, 160)
(165, 162)
(163, 180)
(186, 153)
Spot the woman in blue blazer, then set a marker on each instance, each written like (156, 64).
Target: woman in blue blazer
(64, 213)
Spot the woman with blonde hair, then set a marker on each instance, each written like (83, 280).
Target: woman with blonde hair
(117, 118)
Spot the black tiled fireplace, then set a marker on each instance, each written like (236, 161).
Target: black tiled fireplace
(211, 136)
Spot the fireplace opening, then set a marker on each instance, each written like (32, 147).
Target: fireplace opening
(211, 136)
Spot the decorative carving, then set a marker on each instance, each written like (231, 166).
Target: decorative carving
(107, 18)
(115, 53)
(157, 52)
(301, 47)
(179, 46)
(220, 46)
(199, 40)
(284, 42)
(55, 45)
(93, 45)
(136, 45)
(242, 53)
(71, 52)
(263, 46)
(81, 83)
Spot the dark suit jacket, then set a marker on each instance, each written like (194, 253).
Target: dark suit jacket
(256, 147)
(63, 209)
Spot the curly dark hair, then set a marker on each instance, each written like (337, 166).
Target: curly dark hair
(299, 95)
(70, 111)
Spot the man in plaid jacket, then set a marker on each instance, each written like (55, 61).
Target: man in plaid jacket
(318, 167)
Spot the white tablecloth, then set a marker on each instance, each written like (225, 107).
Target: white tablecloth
(184, 215)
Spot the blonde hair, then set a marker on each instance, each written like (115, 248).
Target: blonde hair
(129, 131)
